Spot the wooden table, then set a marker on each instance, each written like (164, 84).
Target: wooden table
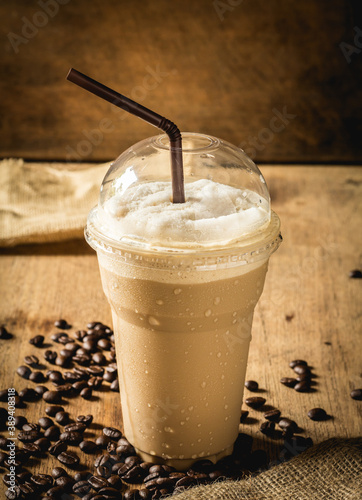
(310, 308)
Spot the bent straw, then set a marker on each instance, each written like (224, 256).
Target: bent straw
(177, 175)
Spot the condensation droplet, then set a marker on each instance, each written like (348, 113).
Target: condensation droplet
(226, 407)
(146, 372)
(234, 314)
(208, 313)
(191, 408)
(177, 291)
(188, 323)
(153, 321)
(182, 423)
(168, 429)
(216, 320)
(203, 385)
(217, 301)
(159, 302)
(218, 354)
(198, 425)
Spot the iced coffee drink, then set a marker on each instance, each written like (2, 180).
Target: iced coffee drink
(183, 281)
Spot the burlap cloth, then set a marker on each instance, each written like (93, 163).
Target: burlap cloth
(42, 202)
(331, 470)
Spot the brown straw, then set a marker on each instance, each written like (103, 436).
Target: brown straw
(87, 83)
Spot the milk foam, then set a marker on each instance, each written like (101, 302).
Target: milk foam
(212, 214)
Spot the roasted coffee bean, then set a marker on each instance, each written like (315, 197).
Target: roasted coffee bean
(296, 362)
(31, 360)
(23, 371)
(112, 447)
(243, 444)
(109, 492)
(355, 274)
(29, 394)
(216, 474)
(68, 458)
(104, 459)
(58, 448)
(29, 490)
(104, 471)
(33, 449)
(356, 394)
(55, 377)
(95, 371)
(52, 397)
(42, 481)
(150, 477)
(81, 373)
(43, 443)
(37, 341)
(303, 386)
(109, 376)
(272, 415)
(51, 411)
(251, 385)
(63, 361)
(4, 395)
(104, 344)
(45, 422)
(304, 376)
(95, 382)
(28, 436)
(71, 377)
(50, 356)
(82, 475)
(288, 424)
(132, 494)
(80, 385)
(243, 416)
(318, 414)
(255, 402)
(115, 385)
(88, 447)
(62, 324)
(66, 353)
(18, 402)
(99, 358)
(41, 389)
(124, 447)
(302, 370)
(19, 421)
(65, 482)
(52, 433)
(112, 433)
(23, 477)
(37, 377)
(85, 419)
(258, 460)
(288, 381)
(13, 493)
(86, 393)
(267, 428)
(81, 488)
(65, 389)
(62, 417)
(98, 482)
(3, 456)
(82, 359)
(55, 492)
(59, 472)
(80, 334)
(102, 442)
(72, 438)
(4, 334)
(29, 426)
(114, 481)
(76, 427)
(185, 481)
(71, 346)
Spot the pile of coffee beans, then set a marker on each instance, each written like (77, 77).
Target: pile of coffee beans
(86, 362)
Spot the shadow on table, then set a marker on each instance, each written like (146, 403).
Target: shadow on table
(71, 247)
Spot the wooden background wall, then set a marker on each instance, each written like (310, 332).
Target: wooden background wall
(230, 68)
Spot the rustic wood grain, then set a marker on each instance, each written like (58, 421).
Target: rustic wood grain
(308, 280)
(226, 68)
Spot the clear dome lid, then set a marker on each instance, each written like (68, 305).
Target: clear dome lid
(227, 199)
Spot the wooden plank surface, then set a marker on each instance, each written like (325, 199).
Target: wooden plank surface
(229, 68)
(308, 281)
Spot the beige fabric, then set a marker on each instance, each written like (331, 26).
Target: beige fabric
(42, 202)
(331, 470)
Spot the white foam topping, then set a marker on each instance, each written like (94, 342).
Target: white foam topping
(212, 214)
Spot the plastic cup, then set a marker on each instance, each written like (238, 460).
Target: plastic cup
(182, 310)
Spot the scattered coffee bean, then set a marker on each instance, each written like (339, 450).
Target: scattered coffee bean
(296, 362)
(288, 381)
(55, 377)
(52, 433)
(41, 389)
(86, 393)
(52, 397)
(63, 361)
(65, 389)
(267, 428)
(71, 438)
(43, 443)
(66, 483)
(33, 449)
(29, 426)
(42, 481)
(37, 377)
(95, 371)
(19, 421)
(272, 415)
(50, 356)
(75, 427)
(255, 402)
(29, 394)
(356, 394)
(302, 369)
(37, 341)
(114, 385)
(23, 371)
(355, 274)
(59, 472)
(45, 422)
(251, 385)
(31, 360)
(287, 424)
(303, 386)
(95, 382)
(62, 417)
(62, 324)
(68, 458)
(28, 436)
(112, 433)
(51, 411)
(102, 442)
(85, 419)
(318, 414)
(88, 447)
(243, 416)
